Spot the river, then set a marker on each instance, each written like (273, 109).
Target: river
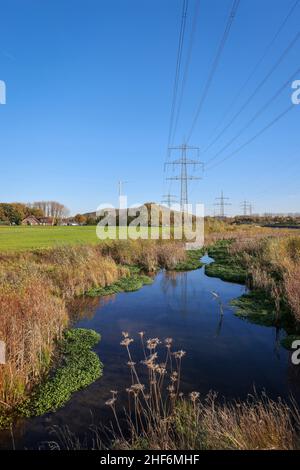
(224, 353)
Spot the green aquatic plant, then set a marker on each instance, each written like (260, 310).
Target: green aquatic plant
(225, 266)
(256, 307)
(192, 261)
(126, 284)
(77, 368)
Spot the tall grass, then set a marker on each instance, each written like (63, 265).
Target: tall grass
(36, 289)
(273, 264)
(158, 416)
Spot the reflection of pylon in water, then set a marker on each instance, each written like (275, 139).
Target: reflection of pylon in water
(183, 293)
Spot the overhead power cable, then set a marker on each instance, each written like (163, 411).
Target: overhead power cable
(257, 114)
(178, 66)
(268, 126)
(257, 65)
(187, 66)
(214, 65)
(257, 89)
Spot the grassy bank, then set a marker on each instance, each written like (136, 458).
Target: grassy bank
(270, 267)
(75, 368)
(36, 288)
(273, 267)
(226, 266)
(23, 238)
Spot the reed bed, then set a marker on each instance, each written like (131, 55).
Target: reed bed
(158, 416)
(274, 266)
(36, 288)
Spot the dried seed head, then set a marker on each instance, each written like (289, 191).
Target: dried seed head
(168, 342)
(126, 342)
(136, 388)
(194, 396)
(174, 376)
(110, 402)
(131, 364)
(152, 343)
(125, 334)
(179, 354)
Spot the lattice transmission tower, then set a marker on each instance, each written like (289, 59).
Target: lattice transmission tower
(184, 162)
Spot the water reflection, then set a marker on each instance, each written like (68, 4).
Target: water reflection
(224, 353)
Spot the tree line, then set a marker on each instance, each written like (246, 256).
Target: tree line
(13, 213)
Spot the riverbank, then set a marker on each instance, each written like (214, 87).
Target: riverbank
(37, 288)
(269, 267)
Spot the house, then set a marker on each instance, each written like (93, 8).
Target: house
(47, 221)
(30, 220)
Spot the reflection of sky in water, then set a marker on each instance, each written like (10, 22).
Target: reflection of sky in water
(224, 353)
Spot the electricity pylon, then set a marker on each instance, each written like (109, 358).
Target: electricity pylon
(168, 199)
(222, 204)
(246, 207)
(184, 177)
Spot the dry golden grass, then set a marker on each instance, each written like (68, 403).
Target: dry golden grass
(36, 289)
(158, 416)
(31, 317)
(273, 262)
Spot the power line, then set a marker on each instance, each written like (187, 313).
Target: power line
(168, 199)
(215, 64)
(247, 208)
(184, 10)
(256, 115)
(184, 177)
(257, 65)
(178, 65)
(261, 84)
(274, 121)
(187, 65)
(222, 204)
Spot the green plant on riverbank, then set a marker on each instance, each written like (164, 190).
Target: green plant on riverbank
(225, 266)
(192, 261)
(37, 287)
(130, 283)
(266, 304)
(77, 368)
(273, 270)
(257, 308)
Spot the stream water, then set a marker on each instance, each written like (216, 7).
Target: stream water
(224, 353)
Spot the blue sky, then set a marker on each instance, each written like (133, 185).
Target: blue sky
(89, 89)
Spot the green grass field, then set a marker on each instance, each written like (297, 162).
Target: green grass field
(20, 238)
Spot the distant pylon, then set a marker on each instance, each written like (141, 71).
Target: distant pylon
(168, 199)
(184, 161)
(246, 208)
(222, 204)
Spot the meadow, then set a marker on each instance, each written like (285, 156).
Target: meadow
(22, 237)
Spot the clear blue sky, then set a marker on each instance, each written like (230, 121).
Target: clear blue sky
(89, 89)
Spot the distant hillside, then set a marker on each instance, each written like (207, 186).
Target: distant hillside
(158, 212)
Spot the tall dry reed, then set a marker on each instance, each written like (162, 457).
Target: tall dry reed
(37, 286)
